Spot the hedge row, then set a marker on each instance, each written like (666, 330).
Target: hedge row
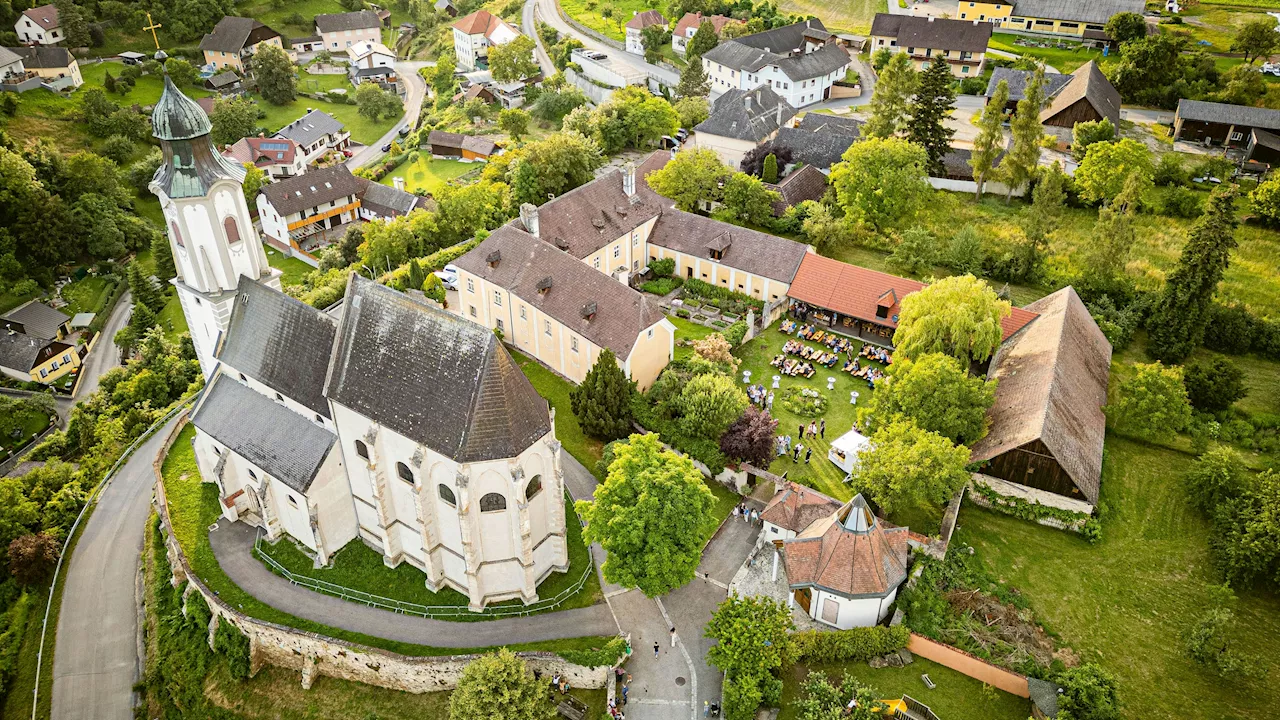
(613, 651)
(399, 277)
(855, 645)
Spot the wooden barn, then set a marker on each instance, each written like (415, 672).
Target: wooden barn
(454, 146)
(1047, 425)
(1088, 96)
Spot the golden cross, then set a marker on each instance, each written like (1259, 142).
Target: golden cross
(152, 25)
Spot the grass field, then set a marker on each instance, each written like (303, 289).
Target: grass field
(614, 26)
(956, 696)
(146, 91)
(362, 129)
(294, 270)
(87, 295)
(687, 330)
(427, 174)
(1064, 61)
(845, 15)
(1216, 24)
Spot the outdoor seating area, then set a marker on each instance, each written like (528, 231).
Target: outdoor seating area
(834, 346)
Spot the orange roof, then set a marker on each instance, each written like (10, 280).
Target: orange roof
(857, 556)
(480, 22)
(1015, 321)
(796, 507)
(694, 20)
(645, 19)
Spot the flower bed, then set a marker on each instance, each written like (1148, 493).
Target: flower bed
(804, 401)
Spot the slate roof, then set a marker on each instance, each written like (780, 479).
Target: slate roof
(784, 48)
(643, 20)
(806, 183)
(233, 34)
(311, 127)
(279, 341)
(956, 163)
(936, 33)
(1089, 84)
(750, 115)
(46, 16)
(222, 80)
(1052, 386)
(43, 57)
(795, 507)
(1096, 12)
(37, 319)
(758, 253)
(820, 140)
(1017, 82)
(8, 56)
(339, 22)
(375, 71)
(386, 201)
(588, 217)
(482, 146)
(1266, 139)
(695, 20)
(283, 443)
(1201, 111)
(315, 187)
(857, 557)
(434, 377)
(18, 351)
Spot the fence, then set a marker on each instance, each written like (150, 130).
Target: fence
(971, 665)
(408, 608)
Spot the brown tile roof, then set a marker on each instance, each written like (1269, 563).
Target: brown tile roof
(1087, 83)
(694, 20)
(795, 507)
(589, 217)
(316, 187)
(457, 141)
(1052, 386)
(807, 183)
(480, 22)
(46, 16)
(929, 32)
(856, 557)
(263, 151)
(620, 315)
(643, 20)
(758, 253)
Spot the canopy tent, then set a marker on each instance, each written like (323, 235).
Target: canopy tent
(844, 450)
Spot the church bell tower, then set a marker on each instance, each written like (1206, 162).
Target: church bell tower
(207, 220)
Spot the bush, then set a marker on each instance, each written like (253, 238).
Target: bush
(229, 641)
(737, 302)
(661, 285)
(118, 148)
(1180, 202)
(856, 645)
(1230, 329)
(665, 267)
(1170, 171)
(1213, 385)
(735, 332)
(973, 86)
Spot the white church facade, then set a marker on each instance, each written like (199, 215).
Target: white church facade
(388, 421)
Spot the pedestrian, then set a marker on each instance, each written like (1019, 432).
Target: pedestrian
(656, 646)
(813, 429)
(800, 433)
(769, 401)
(795, 453)
(808, 454)
(755, 515)
(555, 681)
(673, 637)
(735, 512)
(822, 429)
(706, 709)
(625, 689)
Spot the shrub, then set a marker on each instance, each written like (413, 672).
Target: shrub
(735, 332)
(1170, 171)
(1180, 202)
(229, 641)
(662, 268)
(1231, 329)
(607, 655)
(855, 645)
(1213, 385)
(661, 286)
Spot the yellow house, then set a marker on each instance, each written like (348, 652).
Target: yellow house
(234, 40)
(1057, 17)
(962, 43)
(25, 357)
(994, 13)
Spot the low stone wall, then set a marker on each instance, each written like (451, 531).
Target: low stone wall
(1022, 494)
(615, 44)
(969, 186)
(971, 665)
(313, 655)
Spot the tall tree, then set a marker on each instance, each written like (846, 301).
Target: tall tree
(747, 199)
(514, 122)
(929, 110)
(1107, 255)
(906, 466)
(144, 290)
(1107, 166)
(1019, 165)
(498, 686)
(650, 516)
(916, 251)
(769, 172)
(958, 315)
(692, 176)
(890, 104)
(1126, 26)
(881, 181)
(990, 141)
(182, 73)
(1256, 39)
(373, 102)
(692, 111)
(163, 255)
(753, 640)
(602, 403)
(74, 24)
(751, 438)
(1176, 324)
(1048, 199)
(513, 61)
(274, 73)
(936, 392)
(702, 41)
(653, 39)
(1152, 404)
(709, 404)
(693, 81)
(232, 119)
(254, 179)
(1213, 385)
(444, 83)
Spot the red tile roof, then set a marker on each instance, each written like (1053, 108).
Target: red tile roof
(263, 151)
(480, 22)
(796, 507)
(643, 20)
(849, 561)
(694, 20)
(46, 16)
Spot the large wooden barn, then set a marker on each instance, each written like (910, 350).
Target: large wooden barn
(1047, 425)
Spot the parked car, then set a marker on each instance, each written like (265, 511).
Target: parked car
(448, 277)
(386, 148)
(404, 131)
(1271, 69)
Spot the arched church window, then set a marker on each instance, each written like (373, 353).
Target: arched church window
(232, 229)
(447, 495)
(362, 450)
(533, 488)
(404, 472)
(177, 234)
(493, 502)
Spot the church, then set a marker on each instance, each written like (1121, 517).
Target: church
(384, 420)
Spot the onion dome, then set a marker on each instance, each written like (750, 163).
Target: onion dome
(178, 117)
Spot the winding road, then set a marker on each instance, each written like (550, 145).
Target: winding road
(415, 91)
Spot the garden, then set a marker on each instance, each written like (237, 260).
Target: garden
(427, 174)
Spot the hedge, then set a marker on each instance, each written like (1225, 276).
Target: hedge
(855, 645)
(613, 651)
(720, 296)
(435, 261)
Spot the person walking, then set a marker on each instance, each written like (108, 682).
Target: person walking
(656, 647)
(769, 401)
(625, 689)
(808, 453)
(795, 454)
(735, 512)
(800, 432)
(787, 441)
(822, 429)
(673, 637)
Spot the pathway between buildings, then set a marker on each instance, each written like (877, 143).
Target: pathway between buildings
(105, 354)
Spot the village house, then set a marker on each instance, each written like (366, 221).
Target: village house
(371, 62)
(277, 157)
(739, 121)
(1051, 17)
(447, 7)
(688, 27)
(474, 34)
(454, 146)
(817, 141)
(801, 62)
(38, 320)
(39, 26)
(805, 183)
(339, 31)
(635, 29)
(307, 43)
(792, 509)
(234, 40)
(963, 44)
(1231, 126)
(12, 71)
(382, 202)
(28, 358)
(55, 66)
(226, 83)
(316, 133)
(297, 208)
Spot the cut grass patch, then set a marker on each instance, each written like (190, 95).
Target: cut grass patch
(849, 15)
(87, 295)
(1064, 61)
(362, 129)
(146, 90)
(427, 174)
(687, 330)
(586, 450)
(295, 270)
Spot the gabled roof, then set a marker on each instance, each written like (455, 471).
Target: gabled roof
(339, 22)
(18, 351)
(694, 21)
(233, 34)
(1223, 113)
(46, 16)
(935, 33)
(524, 262)
(434, 377)
(286, 445)
(855, 557)
(643, 20)
(365, 47)
(751, 115)
(311, 127)
(458, 141)
(806, 183)
(37, 319)
(482, 22)
(796, 507)
(222, 80)
(1017, 81)
(386, 201)
(1089, 84)
(263, 151)
(849, 289)
(783, 48)
(1096, 12)
(591, 216)
(820, 140)
(762, 254)
(44, 57)
(316, 187)
(8, 57)
(1052, 386)
(279, 341)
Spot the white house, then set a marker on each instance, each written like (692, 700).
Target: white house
(688, 27)
(294, 209)
(793, 509)
(845, 569)
(739, 121)
(316, 133)
(636, 26)
(800, 62)
(474, 34)
(39, 26)
(366, 54)
(339, 31)
(277, 157)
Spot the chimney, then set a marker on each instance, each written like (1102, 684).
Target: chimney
(629, 179)
(931, 18)
(746, 101)
(493, 258)
(398, 183)
(975, 23)
(779, 112)
(529, 217)
(589, 311)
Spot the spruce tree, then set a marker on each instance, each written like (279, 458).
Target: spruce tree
(891, 102)
(1176, 324)
(702, 41)
(990, 140)
(163, 254)
(602, 403)
(145, 292)
(693, 80)
(1020, 163)
(109, 82)
(769, 173)
(929, 110)
(416, 275)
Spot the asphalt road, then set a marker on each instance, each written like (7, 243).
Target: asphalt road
(416, 90)
(548, 14)
(105, 354)
(96, 661)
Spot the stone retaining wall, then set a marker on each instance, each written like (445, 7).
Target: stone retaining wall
(1017, 493)
(312, 654)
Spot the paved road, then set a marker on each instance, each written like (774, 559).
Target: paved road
(529, 24)
(548, 14)
(416, 90)
(105, 354)
(96, 663)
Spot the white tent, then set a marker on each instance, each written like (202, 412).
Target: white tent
(844, 450)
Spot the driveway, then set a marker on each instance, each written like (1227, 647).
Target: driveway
(415, 91)
(105, 354)
(547, 13)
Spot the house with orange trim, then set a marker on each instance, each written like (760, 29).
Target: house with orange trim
(295, 209)
(474, 34)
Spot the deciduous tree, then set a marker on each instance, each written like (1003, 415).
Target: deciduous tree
(254, 179)
(32, 558)
(602, 403)
(709, 404)
(936, 392)
(1020, 163)
(916, 251)
(514, 122)
(274, 73)
(1088, 693)
(890, 105)
(653, 39)
(747, 200)
(959, 316)
(1088, 133)
(1108, 165)
(906, 466)
(374, 103)
(692, 111)
(183, 73)
(513, 61)
(881, 182)
(498, 686)
(1213, 385)
(1126, 26)
(751, 438)
(1256, 38)
(1152, 404)
(691, 176)
(233, 119)
(930, 108)
(990, 140)
(753, 641)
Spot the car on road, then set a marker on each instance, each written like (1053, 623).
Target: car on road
(448, 277)
(386, 148)
(404, 131)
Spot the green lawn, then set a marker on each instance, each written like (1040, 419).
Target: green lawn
(615, 26)
(1127, 601)
(87, 295)
(146, 91)
(362, 129)
(32, 424)
(358, 567)
(194, 506)
(427, 174)
(172, 318)
(1216, 24)
(956, 697)
(1064, 61)
(9, 301)
(839, 15)
(295, 270)
(324, 82)
(687, 330)
(556, 389)
(274, 14)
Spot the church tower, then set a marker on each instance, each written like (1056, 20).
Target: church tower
(207, 219)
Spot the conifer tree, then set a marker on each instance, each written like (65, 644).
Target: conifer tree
(163, 254)
(416, 276)
(1020, 164)
(145, 292)
(702, 41)
(693, 80)
(929, 110)
(109, 82)
(990, 140)
(602, 403)
(891, 102)
(769, 173)
(1176, 324)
